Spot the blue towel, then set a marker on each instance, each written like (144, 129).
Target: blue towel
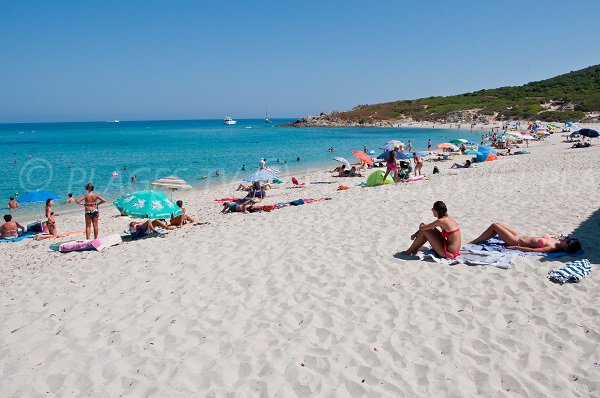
(571, 273)
(18, 238)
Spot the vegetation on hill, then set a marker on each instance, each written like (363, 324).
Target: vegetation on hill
(571, 96)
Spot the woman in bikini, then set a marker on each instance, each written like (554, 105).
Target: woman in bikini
(391, 165)
(90, 202)
(446, 241)
(418, 163)
(229, 207)
(50, 220)
(540, 244)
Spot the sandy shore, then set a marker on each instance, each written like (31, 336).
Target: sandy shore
(310, 300)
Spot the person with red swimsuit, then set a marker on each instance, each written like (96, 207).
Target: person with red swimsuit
(443, 234)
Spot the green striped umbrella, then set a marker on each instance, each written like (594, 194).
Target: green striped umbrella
(147, 204)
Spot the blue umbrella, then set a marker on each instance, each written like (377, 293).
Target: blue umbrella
(590, 133)
(260, 175)
(37, 196)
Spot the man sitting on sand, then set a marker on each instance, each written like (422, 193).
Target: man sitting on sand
(12, 203)
(10, 228)
(181, 219)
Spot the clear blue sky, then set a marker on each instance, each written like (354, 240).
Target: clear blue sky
(131, 60)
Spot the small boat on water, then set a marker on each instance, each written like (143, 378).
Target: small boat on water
(229, 120)
(267, 120)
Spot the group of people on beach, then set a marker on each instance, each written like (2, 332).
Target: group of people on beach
(90, 202)
(445, 237)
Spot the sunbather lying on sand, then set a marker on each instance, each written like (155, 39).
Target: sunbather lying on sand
(446, 241)
(461, 166)
(542, 244)
(141, 229)
(229, 207)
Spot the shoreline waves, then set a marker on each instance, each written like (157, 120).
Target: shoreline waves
(311, 300)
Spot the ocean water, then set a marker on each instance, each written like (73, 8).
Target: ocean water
(63, 157)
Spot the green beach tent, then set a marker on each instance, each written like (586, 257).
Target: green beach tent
(376, 178)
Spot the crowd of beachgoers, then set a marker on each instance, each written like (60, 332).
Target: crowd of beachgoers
(316, 283)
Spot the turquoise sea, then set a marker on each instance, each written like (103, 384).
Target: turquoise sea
(63, 157)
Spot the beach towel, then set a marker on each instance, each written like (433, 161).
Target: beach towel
(95, 244)
(229, 200)
(571, 273)
(18, 238)
(503, 260)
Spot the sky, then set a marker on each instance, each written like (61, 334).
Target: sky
(156, 60)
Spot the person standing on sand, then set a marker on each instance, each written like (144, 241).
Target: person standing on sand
(263, 163)
(90, 201)
(12, 203)
(429, 145)
(391, 165)
(418, 163)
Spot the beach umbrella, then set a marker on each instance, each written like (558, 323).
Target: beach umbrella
(589, 133)
(569, 124)
(527, 137)
(390, 145)
(171, 182)
(260, 175)
(342, 161)
(447, 145)
(363, 156)
(147, 204)
(402, 155)
(459, 141)
(471, 152)
(38, 196)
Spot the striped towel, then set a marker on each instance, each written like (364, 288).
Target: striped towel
(572, 272)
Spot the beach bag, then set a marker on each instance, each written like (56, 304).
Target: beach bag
(297, 202)
(35, 227)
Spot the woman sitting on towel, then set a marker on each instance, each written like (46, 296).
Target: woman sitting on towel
(446, 241)
(541, 244)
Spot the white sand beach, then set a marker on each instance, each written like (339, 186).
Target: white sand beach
(311, 300)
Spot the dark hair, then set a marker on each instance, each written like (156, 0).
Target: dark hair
(573, 246)
(440, 208)
(468, 162)
(89, 186)
(48, 201)
(7, 217)
(179, 203)
(12, 198)
(70, 195)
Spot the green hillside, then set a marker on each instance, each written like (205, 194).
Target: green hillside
(561, 98)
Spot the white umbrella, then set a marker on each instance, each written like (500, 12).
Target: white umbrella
(342, 161)
(260, 175)
(527, 137)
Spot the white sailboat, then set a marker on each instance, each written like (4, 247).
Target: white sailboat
(267, 120)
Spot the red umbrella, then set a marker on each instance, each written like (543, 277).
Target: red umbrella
(363, 156)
